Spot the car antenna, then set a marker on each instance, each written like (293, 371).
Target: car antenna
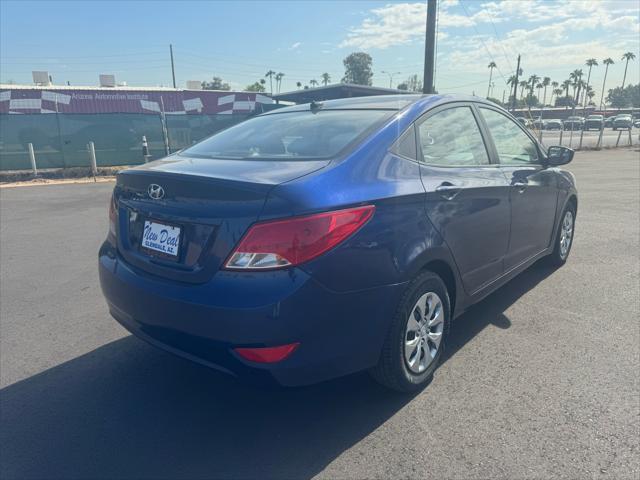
(315, 106)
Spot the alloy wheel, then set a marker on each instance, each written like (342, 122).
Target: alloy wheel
(423, 333)
(566, 234)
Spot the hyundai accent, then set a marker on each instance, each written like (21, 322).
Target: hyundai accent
(323, 239)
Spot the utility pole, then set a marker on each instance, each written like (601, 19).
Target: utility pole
(173, 70)
(429, 47)
(515, 86)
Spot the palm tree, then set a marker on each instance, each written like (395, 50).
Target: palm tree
(591, 62)
(591, 94)
(270, 74)
(539, 86)
(523, 84)
(491, 66)
(299, 84)
(313, 82)
(627, 56)
(576, 76)
(558, 92)
(533, 79)
(607, 62)
(279, 76)
(554, 87)
(326, 78)
(545, 83)
(565, 87)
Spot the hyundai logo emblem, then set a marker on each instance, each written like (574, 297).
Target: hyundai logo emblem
(155, 191)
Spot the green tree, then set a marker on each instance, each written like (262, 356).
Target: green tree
(591, 62)
(326, 78)
(411, 84)
(627, 56)
(607, 62)
(299, 85)
(566, 101)
(625, 97)
(313, 82)
(357, 69)
(255, 87)
(216, 83)
(565, 86)
(491, 66)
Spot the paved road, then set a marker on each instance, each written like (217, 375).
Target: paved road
(540, 380)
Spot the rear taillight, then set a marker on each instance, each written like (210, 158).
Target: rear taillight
(285, 243)
(113, 217)
(267, 354)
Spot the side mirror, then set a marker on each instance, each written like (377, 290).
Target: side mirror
(557, 155)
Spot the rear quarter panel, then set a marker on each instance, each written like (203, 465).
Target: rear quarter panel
(396, 241)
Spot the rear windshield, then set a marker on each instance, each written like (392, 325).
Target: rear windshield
(290, 136)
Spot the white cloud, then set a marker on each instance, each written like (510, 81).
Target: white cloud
(403, 23)
(295, 45)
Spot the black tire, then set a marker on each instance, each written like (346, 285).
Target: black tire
(392, 370)
(557, 258)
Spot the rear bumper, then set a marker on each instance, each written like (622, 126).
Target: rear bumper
(339, 333)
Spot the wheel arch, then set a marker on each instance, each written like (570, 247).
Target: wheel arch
(446, 273)
(573, 200)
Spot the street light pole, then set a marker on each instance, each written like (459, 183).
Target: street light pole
(391, 74)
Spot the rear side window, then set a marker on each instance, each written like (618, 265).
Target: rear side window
(406, 144)
(513, 145)
(290, 136)
(452, 138)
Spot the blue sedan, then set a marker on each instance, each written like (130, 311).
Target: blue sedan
(328, 238)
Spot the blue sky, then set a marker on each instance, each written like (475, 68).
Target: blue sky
(240, 41)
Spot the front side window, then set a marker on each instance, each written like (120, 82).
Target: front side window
(296, 135)
(452, 138)
(513, 145)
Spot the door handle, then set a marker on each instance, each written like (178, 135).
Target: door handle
(448, 190)
(520, 186)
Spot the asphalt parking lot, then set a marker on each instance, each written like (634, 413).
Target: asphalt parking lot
(540, 380)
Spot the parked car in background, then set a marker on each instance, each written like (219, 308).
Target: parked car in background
(636, 123)
(525, 122)
(574, 123)
(539, 124)
(595, 122)
(318, 240)
(554, 124)
(608, 122)
(623, 121)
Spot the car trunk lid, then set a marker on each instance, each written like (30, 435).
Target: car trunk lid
(206, 204)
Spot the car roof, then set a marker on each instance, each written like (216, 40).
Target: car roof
(378, 102)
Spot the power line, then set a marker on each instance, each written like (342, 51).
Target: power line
(495, 31)
(464, 9)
